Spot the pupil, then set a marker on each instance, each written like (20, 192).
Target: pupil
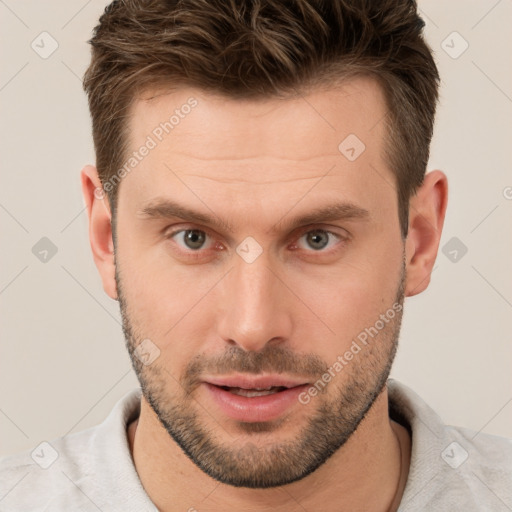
(194, 238)
(318, 239)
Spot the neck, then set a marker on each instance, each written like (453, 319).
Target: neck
(368, 473)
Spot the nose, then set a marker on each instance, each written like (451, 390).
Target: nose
(256, 306)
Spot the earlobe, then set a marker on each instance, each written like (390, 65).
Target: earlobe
(100, 228)
(427, 210)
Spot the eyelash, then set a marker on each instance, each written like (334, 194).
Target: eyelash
(199, 253)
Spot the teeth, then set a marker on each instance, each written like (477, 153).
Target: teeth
(255, 392)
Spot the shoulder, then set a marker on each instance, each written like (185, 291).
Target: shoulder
(48, 475)
(483, 462)
(89, 470)
(473, 470)
(452, 468)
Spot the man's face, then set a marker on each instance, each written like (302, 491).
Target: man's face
(297, 254)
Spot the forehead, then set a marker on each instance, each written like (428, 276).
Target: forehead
(297, 127)
(263, 153)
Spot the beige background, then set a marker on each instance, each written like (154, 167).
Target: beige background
(63, 363)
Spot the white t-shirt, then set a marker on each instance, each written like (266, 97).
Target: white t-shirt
(452, 469)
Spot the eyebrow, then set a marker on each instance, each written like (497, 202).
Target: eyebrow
(330, 212)
(169, 209)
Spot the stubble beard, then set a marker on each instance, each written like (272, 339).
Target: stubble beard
(337, 412)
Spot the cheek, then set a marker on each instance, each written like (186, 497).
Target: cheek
(349, 297)
(168, 303)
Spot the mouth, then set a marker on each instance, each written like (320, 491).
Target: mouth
(254, 398)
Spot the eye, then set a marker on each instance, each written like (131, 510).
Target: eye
(318, 239)
(192, 239)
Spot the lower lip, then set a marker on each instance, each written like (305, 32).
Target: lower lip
(256, 408)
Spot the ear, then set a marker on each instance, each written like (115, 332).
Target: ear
(427, 209)
(100, 228)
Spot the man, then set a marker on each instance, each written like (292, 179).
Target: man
(260, 209)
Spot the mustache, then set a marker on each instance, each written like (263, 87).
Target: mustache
(271, 359)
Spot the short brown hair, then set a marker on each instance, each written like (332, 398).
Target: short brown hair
(260, 48)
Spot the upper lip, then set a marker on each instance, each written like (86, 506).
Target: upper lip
(255, 381)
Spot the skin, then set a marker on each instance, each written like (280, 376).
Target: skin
(258, 165)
